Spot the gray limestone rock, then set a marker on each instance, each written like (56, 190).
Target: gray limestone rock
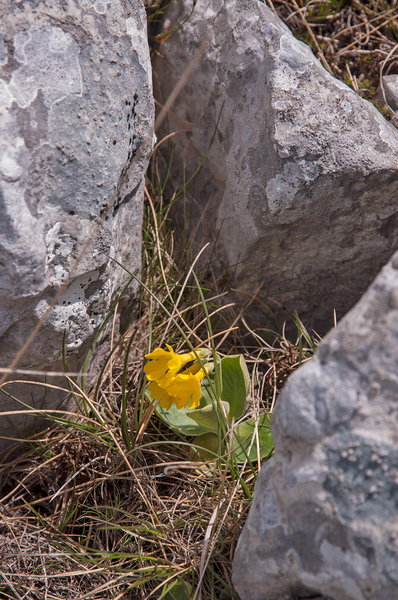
(301, 181)
(390, 86)
(324, 519)
(76, 121)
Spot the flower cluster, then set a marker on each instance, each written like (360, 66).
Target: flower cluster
(168, 384)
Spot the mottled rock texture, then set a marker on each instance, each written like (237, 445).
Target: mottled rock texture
(76, 121)
(324, 517)
(302, 177)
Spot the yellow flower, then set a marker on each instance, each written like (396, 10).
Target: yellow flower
(186, 388)
(168, 385)
(158, 393)
(162, 362)
(183, 389)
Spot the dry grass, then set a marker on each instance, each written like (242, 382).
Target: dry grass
(107, 503)
(91, 520)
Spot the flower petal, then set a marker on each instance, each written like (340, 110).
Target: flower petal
(155, 369)
(160, 354)
(159, 363)
(179, 360)
(192, 369)
(157, 393)
(166, 402)
(186, 389)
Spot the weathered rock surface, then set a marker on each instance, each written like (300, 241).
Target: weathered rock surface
(390, 86)
(302, 177)
(76, 120)
(324, 517)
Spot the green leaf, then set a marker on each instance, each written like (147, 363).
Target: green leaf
(243, 434)
(178, 418)
(206, 447)
(235, 385)
(180, 591)
(207, 416)
(207, 396)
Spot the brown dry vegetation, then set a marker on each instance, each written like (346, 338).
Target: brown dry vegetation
(356, 42)
(107, 503)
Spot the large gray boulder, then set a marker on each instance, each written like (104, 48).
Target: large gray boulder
(76, 121)
(324, 516)
(301, 182)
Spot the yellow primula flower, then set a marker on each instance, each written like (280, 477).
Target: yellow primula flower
(158, 393)
(159, 363)
(169, 363)
(168, 385)
(183, 389)
(186, 389)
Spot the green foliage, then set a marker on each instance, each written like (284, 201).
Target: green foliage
(181, 590)
(244, 435)
(206, 447)
(383, 109)
(367, 85)
(326, 8)
(163, 36)
(235, 385)
(244, 443)
(216, 421)
(178, 420)
(207, 416)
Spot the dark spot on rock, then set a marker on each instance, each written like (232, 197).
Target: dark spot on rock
(114, 142)
(33, 122)
(126, 199)
(12, 64)
(302, 593)
(6, 224)
(365, 548)
(388, 227)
